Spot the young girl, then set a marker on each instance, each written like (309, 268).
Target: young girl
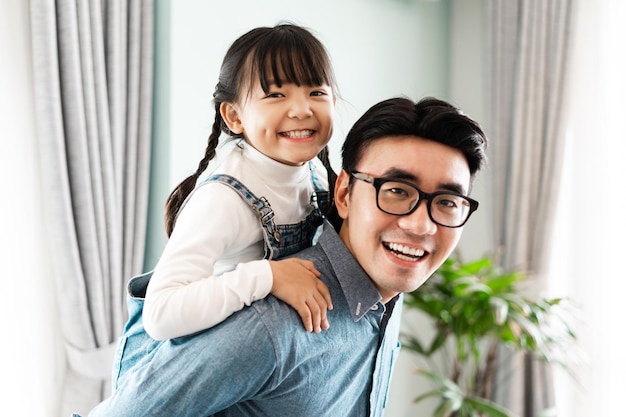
(275, 96)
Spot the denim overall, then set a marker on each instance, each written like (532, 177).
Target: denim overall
(136, 346)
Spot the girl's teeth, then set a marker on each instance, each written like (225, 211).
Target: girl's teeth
(299, 134)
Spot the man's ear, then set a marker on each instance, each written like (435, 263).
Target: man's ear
(342, 194)
(230, 114)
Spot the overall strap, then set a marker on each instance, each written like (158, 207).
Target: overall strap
(259, 204)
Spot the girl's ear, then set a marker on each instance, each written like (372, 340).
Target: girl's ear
(342, 194)
(230, 114)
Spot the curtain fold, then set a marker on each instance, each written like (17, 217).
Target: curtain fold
(590, 245)
(93, 96)
(529, 55)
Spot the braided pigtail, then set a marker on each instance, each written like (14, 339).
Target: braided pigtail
(179, 194)
(330, 211)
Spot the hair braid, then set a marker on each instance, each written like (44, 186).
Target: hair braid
(330, 211)
(179, 194)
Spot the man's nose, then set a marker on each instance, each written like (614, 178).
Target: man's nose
(418, 222)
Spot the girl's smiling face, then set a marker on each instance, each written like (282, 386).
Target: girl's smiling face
(290, 124)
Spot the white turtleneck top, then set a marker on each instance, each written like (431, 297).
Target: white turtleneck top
(213, 263)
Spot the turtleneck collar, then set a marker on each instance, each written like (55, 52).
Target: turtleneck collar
(273, 171)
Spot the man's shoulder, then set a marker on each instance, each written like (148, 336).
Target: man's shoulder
(328, 249)
(314, 254)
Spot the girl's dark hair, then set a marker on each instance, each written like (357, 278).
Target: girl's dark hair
(429, 118)
(285, 53)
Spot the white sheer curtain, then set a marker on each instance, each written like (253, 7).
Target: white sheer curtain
(589, 246)
(31, 352)
(92, 70)
(529, 67)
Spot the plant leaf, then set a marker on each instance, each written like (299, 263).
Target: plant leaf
(411, 343)
(473, 305)
(433, 393)
(473, 267)
(485, 406)
(444, 409)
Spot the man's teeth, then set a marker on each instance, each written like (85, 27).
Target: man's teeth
(298, 134)
(405, 250)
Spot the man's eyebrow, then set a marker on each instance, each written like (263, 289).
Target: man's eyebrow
(454, 187)
(401, 174)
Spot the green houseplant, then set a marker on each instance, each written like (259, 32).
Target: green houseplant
(476, 307)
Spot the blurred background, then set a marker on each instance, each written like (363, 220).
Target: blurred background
(450, 49)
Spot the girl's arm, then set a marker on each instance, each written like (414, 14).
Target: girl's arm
(188, 291)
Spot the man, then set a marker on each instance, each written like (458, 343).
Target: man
(402, 198)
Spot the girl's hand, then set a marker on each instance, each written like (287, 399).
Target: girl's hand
(296, 282)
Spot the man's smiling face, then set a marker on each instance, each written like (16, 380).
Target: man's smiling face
(400, 253)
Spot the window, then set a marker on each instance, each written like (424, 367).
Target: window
(589, 245)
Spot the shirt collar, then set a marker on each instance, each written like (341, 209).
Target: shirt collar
(357, 286)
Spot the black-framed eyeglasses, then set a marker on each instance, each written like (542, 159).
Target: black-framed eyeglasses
(398, 197)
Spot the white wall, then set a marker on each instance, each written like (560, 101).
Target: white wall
(468, 91)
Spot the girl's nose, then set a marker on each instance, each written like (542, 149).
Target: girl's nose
(300, 108)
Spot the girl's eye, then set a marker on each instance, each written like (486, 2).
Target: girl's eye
(274, 95)
(321, 90)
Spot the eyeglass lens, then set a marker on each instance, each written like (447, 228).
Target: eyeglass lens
(400, 198)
